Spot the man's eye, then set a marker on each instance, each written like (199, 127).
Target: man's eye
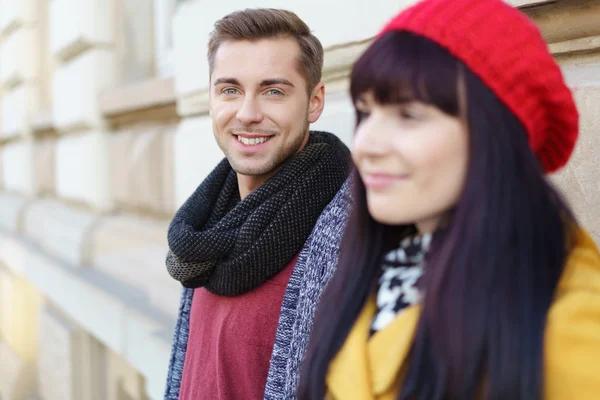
(275, 92)
(230, 91)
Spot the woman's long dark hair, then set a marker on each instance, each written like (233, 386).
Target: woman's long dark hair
(492, 269)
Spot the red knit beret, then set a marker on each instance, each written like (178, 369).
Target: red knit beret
(507, 52)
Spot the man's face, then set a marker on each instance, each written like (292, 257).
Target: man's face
(260, 105)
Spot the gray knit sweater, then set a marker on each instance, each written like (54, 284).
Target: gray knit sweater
(314, 268)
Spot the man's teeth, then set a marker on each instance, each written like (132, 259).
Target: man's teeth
(253, 141)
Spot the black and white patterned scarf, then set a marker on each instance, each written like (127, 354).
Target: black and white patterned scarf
(399, 280)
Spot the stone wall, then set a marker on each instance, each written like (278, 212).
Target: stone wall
(104, 132)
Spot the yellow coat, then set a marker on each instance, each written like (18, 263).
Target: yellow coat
(369, 369)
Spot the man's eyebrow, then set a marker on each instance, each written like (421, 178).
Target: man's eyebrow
(230, 81)
(279, 81)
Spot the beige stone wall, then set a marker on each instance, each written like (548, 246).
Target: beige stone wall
(104, 132)
(572, 30)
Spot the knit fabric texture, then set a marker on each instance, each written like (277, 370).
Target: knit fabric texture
(507, 52)
(179, 346)
(315, 267)
(230, 246)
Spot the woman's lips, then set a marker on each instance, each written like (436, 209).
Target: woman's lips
(381, 180)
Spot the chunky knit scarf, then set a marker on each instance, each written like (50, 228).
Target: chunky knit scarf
(230, 246)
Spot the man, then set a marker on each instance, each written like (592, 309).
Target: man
(256, 243)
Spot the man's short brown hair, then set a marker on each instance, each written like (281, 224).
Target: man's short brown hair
(267, 23)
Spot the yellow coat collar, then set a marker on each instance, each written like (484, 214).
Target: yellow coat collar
(370, 368)
(366, 368)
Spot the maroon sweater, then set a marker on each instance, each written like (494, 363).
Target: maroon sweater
(231, 340)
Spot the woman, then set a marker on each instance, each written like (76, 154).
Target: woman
(494, 291)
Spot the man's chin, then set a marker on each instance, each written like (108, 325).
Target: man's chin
(252, 169)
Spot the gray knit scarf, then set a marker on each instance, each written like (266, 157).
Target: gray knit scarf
(230, 246)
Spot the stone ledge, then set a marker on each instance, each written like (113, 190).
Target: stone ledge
(61, 230)
(133, 250)
(567, 20)
(11, 211)
(113, 312)
(529, 3)
(144, 95)
(41, 122)
(576, 46)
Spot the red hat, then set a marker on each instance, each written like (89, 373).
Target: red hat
(507, 52)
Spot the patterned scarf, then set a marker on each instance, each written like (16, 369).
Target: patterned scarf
(399, 280)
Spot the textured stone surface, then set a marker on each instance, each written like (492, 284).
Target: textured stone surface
(18, 159)
(11, 367)
(11, 207)
(82, 169)
(56, 357)
(133, 251)
(141, 168)
(76, 86)
(44, 173)
(76, 25)
(195, 153)
(117, 314)
(15, 13)
(19, 56)
(580, 180)
(59, 229)
(18, 105)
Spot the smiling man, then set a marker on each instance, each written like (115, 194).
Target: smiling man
(257, 241)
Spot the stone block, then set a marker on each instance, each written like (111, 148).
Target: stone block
(111, 311)
(82, 169)
(580, 180)
(82, 299)
(141, 168)
(18, 105)
(76, 86)
(19, 57)
(11, 209)
(18, 159)
(56, 355)
(44, 175)
(195, 153)
(77, 25)
(16, 13)
(61, 230)
(148, 352)
(133, 250)
(11, 368)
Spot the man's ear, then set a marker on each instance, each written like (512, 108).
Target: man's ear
(316, 103)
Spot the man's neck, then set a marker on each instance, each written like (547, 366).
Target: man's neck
(248, 184)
